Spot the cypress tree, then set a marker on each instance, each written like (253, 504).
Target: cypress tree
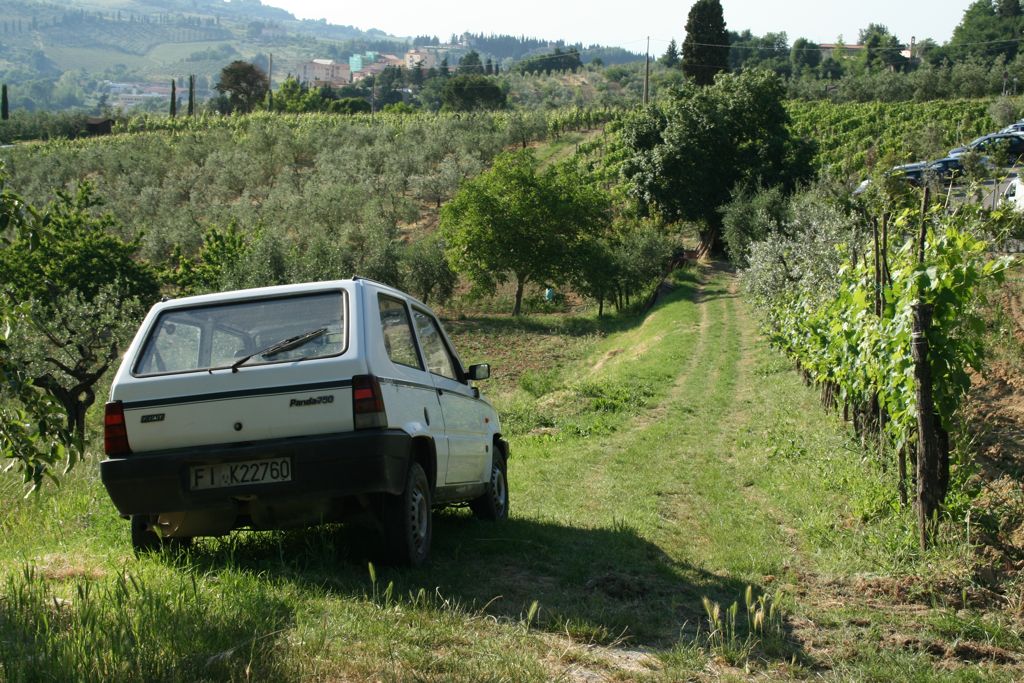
(671, 56)
(192, 95)
(706, 47)
(4, 111)
(174, 100)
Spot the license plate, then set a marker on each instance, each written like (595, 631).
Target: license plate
(240, 473)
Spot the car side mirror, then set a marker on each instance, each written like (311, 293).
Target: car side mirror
(479, 371)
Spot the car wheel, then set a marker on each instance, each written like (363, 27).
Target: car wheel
(493, 504)
(408, 520)
(144, 538)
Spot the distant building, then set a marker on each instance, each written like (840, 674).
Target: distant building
(830, 49)
(372, 63)
(321, 72)
(424, 58)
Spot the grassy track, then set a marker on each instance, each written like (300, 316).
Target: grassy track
(659, 461)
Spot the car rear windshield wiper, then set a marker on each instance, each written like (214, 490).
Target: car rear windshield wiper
(281, 346)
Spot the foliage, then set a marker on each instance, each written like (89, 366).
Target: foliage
(318, 195)
(244, 84)
(79, 291)
(688, 151)
(854, 138)
(770, 51)
(557, 61)
(34, 436)
(816, 284)
(221, 253)
(706, 46)
(426, 272)
(519, 220)
(988, 31)
(752, 216)
(41, 125)
(467, 92)
(671, 57)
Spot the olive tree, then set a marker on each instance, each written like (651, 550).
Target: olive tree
(78, 291)
(520, 222)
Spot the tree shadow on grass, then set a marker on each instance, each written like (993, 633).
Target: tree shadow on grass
(684, 284)
(597, 584)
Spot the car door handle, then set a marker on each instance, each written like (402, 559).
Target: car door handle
(426, 415)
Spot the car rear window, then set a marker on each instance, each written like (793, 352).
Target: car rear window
(218, 335)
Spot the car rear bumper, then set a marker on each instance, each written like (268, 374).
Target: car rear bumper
(325, 466)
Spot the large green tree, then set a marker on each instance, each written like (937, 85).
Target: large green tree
(804, 55)
(687, 153)
(244, 84)
(881, 48)
(516, 221)
(706, 46)
(471, 92)
(470, 64)
(988, 30)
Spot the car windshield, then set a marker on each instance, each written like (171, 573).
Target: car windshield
(219, 335)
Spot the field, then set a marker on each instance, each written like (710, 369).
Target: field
(656, 460)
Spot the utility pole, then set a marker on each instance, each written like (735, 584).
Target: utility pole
(647, 70)
(270, 82)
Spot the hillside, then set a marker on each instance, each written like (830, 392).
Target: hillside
(59, 54)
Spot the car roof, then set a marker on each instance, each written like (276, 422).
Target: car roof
(284, 290)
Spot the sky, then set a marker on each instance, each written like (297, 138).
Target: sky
(629, 24)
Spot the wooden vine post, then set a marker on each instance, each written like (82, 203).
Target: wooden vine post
(928, 485)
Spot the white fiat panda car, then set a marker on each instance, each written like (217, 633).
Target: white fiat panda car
(301, 404)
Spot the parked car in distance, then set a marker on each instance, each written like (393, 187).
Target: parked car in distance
(912, 173)
(295, 405)
(1013, 144)
(947, 168)
(1014, 128)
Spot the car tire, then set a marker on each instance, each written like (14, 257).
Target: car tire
(144, 539)
(408, 520)
(493, 504)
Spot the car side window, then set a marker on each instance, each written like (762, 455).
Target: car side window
(439, 361)
(397, 332)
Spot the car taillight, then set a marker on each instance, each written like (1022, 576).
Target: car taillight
(115, 433)
(367, 403)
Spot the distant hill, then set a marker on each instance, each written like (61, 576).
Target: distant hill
(58, 55)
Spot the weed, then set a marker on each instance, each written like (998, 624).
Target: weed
(764, 627)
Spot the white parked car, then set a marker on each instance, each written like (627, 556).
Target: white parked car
(295, 405)
(1014, 194)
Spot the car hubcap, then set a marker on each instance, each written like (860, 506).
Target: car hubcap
(498, 490)
(420, 517)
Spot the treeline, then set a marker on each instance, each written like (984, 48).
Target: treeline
(43, 125)
(981, 59)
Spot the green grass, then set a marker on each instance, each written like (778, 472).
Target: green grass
(655, 461)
